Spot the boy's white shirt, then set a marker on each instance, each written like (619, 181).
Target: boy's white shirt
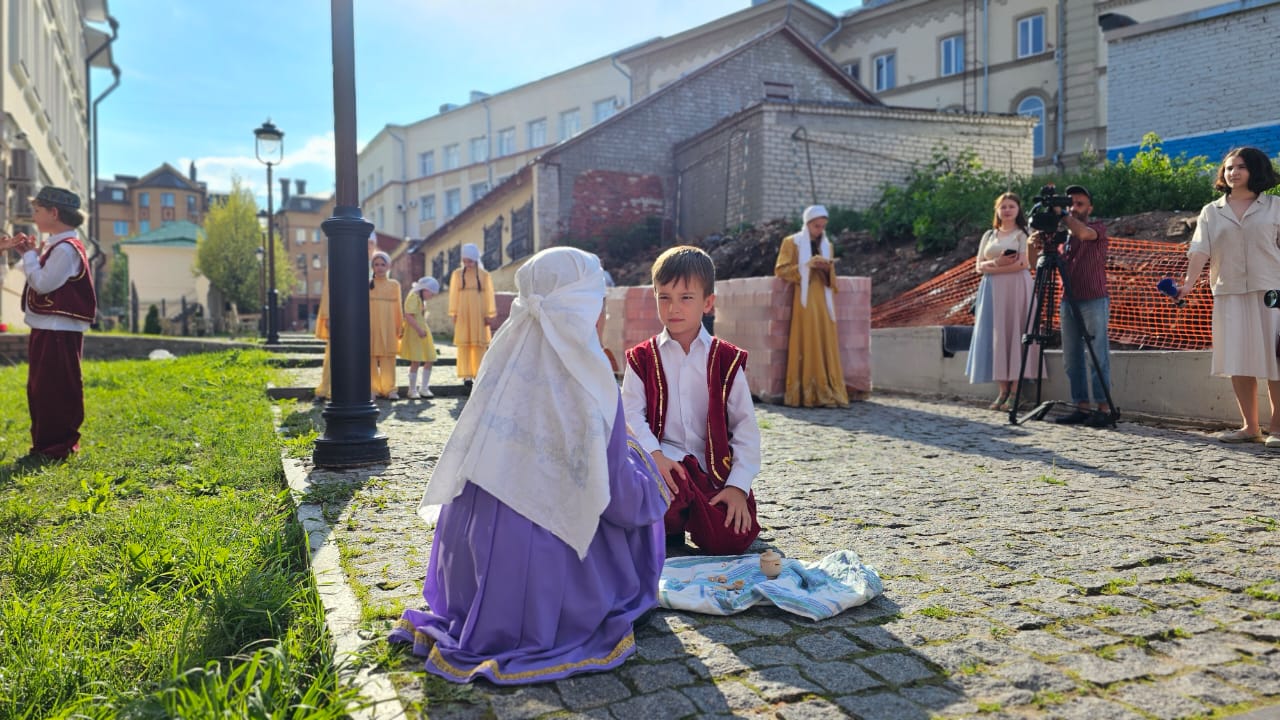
(62, 264)
(687, 402)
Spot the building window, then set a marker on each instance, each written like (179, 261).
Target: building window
(570, 123)
(299, 236)
(452, 157)
(885, 77)
(784, 92)
(1031, 35)
(144, 199)
(427, 208)
(478, 190)
(191, 204)
(166, 199)
(1034, 107)
(315, 262)
(602, 110)
(479, 149)
(951, 55)
(506, 142)
(379, 177)
(120, 228)
(144, 227)
(452, 202)
(427, 163)
(853, 70)
(317, 235)
(537, 133)
(382, 220)
(117, 195)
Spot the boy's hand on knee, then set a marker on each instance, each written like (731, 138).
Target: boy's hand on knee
(670, 469)
(737, 515)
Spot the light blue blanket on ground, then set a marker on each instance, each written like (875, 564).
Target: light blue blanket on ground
(710, 584)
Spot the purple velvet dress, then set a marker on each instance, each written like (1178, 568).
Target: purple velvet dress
(510, 602)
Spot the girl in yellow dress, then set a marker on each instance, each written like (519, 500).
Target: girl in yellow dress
(472, 306)
(417, 345)
(815, 377)
(386, 324)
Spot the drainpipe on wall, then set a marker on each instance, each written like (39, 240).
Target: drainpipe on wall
(1061, 53)
(614, 59)
(986, 58)
(402, 207)
(828, 36)
(488, 142)
(91, 127)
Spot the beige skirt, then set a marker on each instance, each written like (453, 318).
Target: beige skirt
(1245, 334)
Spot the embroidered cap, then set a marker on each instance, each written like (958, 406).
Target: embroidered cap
(57, 197)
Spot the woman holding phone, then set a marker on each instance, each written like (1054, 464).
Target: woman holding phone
(1004, 295)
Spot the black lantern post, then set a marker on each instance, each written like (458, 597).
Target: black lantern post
(351, 436)
(305, 267)
(270, 151)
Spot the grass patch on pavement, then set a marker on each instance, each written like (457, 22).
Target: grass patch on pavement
(160, 572)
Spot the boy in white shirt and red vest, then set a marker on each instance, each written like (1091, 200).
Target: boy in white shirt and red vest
(686, 399)
(59, 304)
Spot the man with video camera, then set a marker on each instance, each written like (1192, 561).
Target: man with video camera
(1083, 264)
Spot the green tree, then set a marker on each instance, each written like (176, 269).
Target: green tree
(226, 254)
(151, 325)
(115, 294)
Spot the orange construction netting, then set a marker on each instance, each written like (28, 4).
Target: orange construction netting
(1141, 316)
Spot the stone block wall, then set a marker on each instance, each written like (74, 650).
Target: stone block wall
(755, 315)
(1176, 65)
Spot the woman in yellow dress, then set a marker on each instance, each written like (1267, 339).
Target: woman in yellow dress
(417, 346)
(815, 377)
(322, 326)
(386, 324)
(472, 306)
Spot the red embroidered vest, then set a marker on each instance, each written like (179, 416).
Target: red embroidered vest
(724, 360)
(74, 299)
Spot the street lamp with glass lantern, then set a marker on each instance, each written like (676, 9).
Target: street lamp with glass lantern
(270, 151)
(258, 252)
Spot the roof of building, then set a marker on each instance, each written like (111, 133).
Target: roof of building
(745, 15)
(167, 176)
(175, 234)
(305, 203)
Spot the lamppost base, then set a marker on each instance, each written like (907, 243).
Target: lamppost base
(351, 453)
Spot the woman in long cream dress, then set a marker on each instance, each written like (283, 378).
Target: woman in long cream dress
(386, 323)
(472, 306)
(815, 377)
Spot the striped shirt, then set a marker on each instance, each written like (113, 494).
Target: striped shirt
(1084, 264)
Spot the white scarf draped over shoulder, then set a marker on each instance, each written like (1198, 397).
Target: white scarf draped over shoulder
(803, 253)
(536, 429)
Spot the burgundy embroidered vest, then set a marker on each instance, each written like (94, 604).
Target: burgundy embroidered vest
(724, 360)
(74, 299)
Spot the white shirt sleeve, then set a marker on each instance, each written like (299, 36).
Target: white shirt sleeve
(63, 264)
(745, 434)
(633, 404)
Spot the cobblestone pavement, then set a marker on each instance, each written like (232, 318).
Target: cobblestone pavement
(1031, 571)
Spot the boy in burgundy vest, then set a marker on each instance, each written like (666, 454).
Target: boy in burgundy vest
(59, 304)
(686, 398)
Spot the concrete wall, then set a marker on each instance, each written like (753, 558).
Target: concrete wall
(755, 315)
(1183, 58)
(1172, 384)
(165, 273)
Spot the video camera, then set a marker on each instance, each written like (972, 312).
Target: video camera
(1048, 209)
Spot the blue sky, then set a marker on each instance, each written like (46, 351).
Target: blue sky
(197, 78)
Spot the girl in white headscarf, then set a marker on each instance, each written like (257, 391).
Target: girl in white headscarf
(417, 346)
(472, 307)
(815, 377)
(549, 544)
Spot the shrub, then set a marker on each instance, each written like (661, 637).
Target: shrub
(151, 326)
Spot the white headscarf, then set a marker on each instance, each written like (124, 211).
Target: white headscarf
(471, 252)
(804, 252)
(425, 282)
(535, 432)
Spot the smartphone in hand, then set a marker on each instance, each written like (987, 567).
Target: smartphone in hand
(1010, 251)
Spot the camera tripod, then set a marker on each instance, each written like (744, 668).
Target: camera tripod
(1038, 330)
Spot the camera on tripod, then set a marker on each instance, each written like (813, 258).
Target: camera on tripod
(1048, 209)
(1271, 298)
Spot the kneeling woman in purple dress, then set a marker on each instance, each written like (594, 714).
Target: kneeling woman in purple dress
(548, 541)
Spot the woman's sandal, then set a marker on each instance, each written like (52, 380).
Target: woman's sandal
(1000, 403)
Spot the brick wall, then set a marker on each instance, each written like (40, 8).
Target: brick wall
(754, 314)
(1172, 78)
(604, 198)
(640, 140)
(767, 162)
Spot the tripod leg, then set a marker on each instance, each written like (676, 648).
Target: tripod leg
(1036, 329)
(1104, 380)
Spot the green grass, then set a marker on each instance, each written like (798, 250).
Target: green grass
(160, 572)
(1265, 590)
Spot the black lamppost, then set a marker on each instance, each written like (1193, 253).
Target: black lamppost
(262, 290)
(270, 151)
(351, 436)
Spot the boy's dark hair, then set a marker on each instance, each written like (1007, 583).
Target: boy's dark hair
(1262, 175)
(688, 263)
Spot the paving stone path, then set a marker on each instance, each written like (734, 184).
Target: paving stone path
(1030, 571)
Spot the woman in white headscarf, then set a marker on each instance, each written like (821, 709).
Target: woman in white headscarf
(472, 306)
(549, 542)
(815, 377)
